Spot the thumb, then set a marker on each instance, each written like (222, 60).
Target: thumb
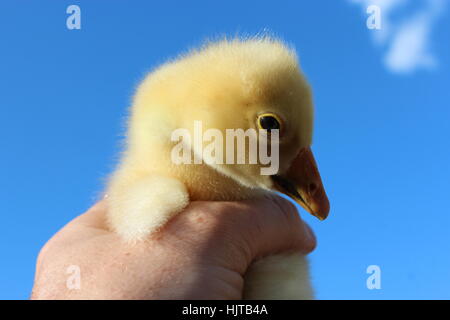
(240, 232)
(276, 226)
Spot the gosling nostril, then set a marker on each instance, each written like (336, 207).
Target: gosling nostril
(312, 188)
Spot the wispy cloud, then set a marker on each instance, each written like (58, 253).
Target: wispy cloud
(406, 40)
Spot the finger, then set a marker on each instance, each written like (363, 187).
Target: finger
(241, 231)
(274, 225)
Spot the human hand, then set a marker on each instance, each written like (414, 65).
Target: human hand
(202, 253)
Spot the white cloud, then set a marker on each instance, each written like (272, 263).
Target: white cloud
(409, 48)
(406, 41)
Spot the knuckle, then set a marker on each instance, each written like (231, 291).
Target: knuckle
(288, 210)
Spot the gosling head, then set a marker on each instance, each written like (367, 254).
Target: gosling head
(238, 84)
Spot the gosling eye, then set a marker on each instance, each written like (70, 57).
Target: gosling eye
(269, 121)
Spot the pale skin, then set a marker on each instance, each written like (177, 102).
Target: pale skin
(202, 253)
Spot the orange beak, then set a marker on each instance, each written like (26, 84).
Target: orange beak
(302, 182)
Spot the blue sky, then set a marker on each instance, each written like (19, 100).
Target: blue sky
(381, 138)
